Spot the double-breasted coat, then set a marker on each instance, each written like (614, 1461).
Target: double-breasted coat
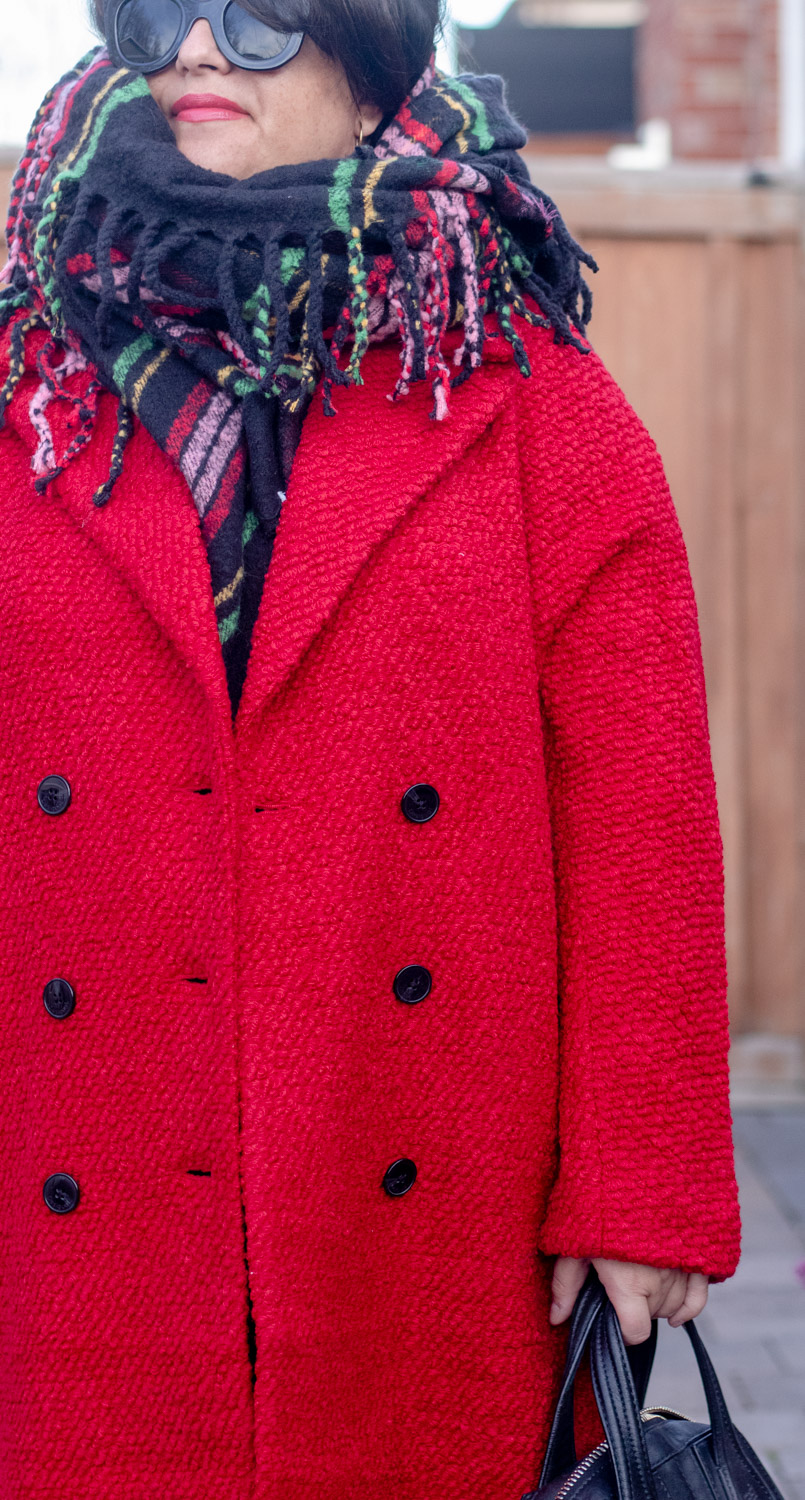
(324, 1034)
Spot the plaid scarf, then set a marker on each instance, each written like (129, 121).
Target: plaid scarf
(214, 307)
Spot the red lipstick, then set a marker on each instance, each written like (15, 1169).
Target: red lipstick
(197, 107)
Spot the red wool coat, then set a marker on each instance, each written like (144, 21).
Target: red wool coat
(497, 606)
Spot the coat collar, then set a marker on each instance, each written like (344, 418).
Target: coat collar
(355, 476)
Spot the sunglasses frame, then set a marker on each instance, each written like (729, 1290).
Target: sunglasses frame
(194, 10)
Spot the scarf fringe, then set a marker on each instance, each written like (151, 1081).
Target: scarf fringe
(480, 250)
(125, 427)
(476, 245)
(454, 256)
(16, 355)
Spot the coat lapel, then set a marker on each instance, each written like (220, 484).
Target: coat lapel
(149, 532)
(355, 476)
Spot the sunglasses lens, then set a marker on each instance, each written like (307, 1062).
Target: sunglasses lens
(251, 38)
(146, 30)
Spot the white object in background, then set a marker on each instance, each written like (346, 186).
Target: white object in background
(39, 41)
(478, 12)
(792, 84)
(447, 46)
(583, 13)
(652, 151)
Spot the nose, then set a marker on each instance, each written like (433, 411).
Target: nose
(198, 50)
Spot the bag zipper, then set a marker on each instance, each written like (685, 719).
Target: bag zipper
(651, 1414)
(581, 1470)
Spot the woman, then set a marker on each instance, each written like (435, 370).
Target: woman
(355, 1011)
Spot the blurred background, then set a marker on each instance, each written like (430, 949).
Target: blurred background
(672, 135)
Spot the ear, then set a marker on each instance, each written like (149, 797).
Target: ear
(371, 116)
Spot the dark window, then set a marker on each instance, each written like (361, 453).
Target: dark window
(560, 79)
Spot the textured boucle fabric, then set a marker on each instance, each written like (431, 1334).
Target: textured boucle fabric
(500, 605)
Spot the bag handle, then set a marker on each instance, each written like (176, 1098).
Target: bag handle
(725, 1442)
(620, 1413)
(619, 1394)
(620, 1410)
(560, 1455)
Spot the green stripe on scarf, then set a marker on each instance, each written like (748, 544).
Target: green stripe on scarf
(339, 193)
(125, 363)
(480, 125)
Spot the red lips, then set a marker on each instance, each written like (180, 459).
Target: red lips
(206, 107)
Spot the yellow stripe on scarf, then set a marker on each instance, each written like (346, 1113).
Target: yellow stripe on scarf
(369, 215)
(229, 590)
(110, 83)
(141, 383)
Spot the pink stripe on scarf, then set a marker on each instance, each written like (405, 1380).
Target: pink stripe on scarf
(220, 454)
(395, 143)
(203, 435)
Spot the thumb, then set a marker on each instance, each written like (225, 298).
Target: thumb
(569, 1276)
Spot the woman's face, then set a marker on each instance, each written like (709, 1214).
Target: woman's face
(302, 111)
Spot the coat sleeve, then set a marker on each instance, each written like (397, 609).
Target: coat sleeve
(645, 1169)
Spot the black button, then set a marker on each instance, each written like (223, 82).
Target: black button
(53, 795)
(61, 1192)
(59, 998)
(412, 984)
(420, 803)
(399, 1177)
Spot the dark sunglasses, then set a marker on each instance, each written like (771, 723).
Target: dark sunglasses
(145, 35)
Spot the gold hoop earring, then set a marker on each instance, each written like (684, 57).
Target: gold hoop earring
(359, 138)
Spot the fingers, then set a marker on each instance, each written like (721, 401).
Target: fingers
(632, 1290)
(640, 1293)
(670, 1298)
(569, 1276)
(637, 1293)
(634, 1315)
(695, 1300)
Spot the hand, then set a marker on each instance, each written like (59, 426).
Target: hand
(637, 1293)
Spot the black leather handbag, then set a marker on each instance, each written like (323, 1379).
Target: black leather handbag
(656, 1454)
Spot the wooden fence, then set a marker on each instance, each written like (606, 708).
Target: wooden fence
(700, 315)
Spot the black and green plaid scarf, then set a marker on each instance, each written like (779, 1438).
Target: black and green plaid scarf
(214, 307)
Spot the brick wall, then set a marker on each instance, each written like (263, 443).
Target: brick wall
(711, 68)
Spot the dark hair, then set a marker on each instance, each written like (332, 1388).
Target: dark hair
(382, 45)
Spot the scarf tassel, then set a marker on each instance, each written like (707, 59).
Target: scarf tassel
(16, 359)
(468, 356)
(125, 427)
(314, 327)
(52, 385)
(107, 235)
(145, 241)
(412, 333)
(238, 328)
(359, 306)
(436, 313)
